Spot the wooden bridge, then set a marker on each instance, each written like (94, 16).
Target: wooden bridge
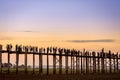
(80, 61)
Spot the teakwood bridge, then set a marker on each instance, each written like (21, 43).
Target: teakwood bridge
(80, 61)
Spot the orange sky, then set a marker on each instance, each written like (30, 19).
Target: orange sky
(68, 24)
(58, 40)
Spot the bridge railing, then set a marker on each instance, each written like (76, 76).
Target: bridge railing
(76, 61)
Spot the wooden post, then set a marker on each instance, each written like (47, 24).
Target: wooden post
(114, 62)
(110, 68)
(60, 61)
(54, 60)
(94, 62)
(88, 59)
(17, 58)
(85, 54)
(83, 60)
(8, 50)
(90, 70)
(81, 64)
(0, 59)
(71, 61)
(35, 50)
(105, 62)
(86, 62)
(8, 61)
(47, 61)
(66, 60)
(98, 62)
(76, 62)
(33, 61)
(93, 65)
(40, 61)
(117, 62)
(26, 51)
(102, 61)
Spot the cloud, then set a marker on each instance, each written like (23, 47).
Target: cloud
(86, 41)
(27, 31)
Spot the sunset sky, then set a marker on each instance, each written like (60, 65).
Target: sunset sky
(90, 24)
